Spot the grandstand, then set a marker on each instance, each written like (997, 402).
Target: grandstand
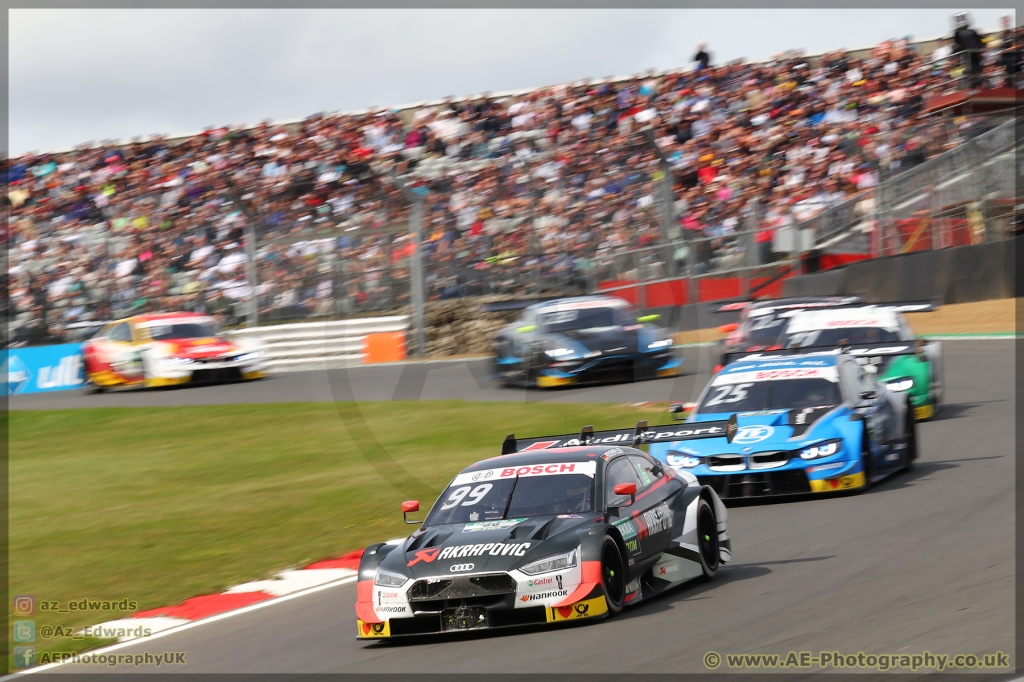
(538, 189)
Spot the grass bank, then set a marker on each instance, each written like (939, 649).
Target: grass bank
(155, 505)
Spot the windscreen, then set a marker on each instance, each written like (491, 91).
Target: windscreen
(764, 330)
(584, 318)
(833, 337)
(770, 395)
(188, 330)
(520, 497)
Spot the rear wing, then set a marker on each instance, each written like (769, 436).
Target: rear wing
(839, 302)
(516, 304)
(857, 350)
(899, 307)
(641, 434)
(731, 307)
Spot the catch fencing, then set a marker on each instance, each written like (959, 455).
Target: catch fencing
(966, 195)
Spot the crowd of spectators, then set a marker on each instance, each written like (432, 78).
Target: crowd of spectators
(535, 189)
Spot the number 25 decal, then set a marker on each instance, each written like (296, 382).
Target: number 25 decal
(729, 394)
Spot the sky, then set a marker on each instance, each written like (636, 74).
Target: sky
(87, 75)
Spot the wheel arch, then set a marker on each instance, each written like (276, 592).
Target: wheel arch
(371, 558)
(612, 532)
(722, 519)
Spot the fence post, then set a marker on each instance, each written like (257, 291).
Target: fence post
(641, 280)
(668, 218)
(250, 254)
(416, 262)
(250, 270)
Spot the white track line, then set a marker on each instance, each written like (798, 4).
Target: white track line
(190, 625)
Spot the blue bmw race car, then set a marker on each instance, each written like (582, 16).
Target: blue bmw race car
(804, 424)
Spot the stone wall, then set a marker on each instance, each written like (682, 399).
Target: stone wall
(462, 327)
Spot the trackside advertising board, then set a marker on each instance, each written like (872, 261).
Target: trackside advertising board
(42, 369)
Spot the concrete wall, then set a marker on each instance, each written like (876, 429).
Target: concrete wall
(958, 275)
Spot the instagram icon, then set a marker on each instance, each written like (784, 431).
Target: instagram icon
(24, 605)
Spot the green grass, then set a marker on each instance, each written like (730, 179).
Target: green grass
(156, 505)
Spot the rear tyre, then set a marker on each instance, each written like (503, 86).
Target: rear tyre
(613, 575)
(707, 539)
(911, 436)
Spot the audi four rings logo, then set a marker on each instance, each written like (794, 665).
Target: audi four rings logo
(461, 568)
(482, 474)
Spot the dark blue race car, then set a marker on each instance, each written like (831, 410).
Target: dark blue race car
(583, 340)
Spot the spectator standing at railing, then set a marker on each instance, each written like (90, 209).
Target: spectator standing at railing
(702, 57)
(1009, 53)
(969, 45)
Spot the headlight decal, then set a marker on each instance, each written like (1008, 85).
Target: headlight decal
(674, 458)
(558, 562)
(175, 362)
(385, 578)
(900, 385)
(823, 449)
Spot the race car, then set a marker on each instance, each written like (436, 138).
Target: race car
(581, 340)
(880, 339)
(167, 349)
(761, 322)
(557, 528)
(806, 424)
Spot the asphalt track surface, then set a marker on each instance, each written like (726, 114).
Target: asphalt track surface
(431, 380)
(921, 562)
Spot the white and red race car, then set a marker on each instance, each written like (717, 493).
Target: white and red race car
(167, 349)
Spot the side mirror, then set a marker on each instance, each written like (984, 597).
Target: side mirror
(868, 395)
(681, 410)
(728, 328)
(649, 318)
(626, 489)
(408, 508)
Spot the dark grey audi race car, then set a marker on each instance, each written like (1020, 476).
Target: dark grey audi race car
(557, 528)
(585, 339)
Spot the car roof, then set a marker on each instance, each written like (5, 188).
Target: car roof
(799, 300)
(582, 453)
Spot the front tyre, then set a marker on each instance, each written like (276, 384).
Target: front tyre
(613, 575)
(937, 391)
(89, 388)
(707, 539)
(865, 459)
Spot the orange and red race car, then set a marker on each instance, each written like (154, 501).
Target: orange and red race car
(167, 349)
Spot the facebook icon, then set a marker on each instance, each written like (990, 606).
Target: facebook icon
(24, 656)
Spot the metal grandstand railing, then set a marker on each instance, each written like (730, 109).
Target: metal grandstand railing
(981, 168)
